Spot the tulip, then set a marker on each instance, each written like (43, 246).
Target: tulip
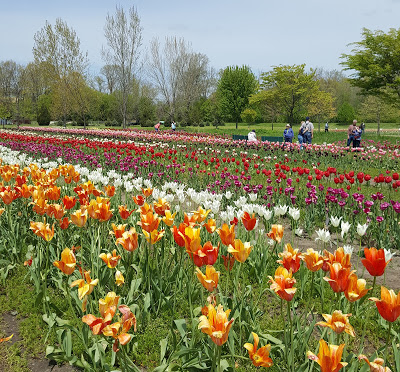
(294, 213)
(313, 260)
(345, 226)
(376, 365)
(323, 235)
(168, 218)
(85, 287)
(111, 260)
(154, 236)
(280, 210)
(149, 221)
(249, 222)
(139, 200)
(276, 233)
(6, 338)
(206, 255)
(240, 250)
(161, 206)
(128, 240)
(356, 288)
(210, 225)
(290, 258)
(335, 221)
(119, 278)
(227, 234)
(123, 212)
(282, 284)
(338, 322)
(216, 324)
(389, 304)
(259, 357)
(42, 230)
(179, 234)
(210, 280)
(229, 261)
(328, 357)
(67, 263)
(339, 277)
(201, 214)
(119, 330)
(361, 229)
(79, 217)
(147, 192)
(69, 202)
(375, 261)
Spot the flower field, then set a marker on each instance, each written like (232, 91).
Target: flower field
(185, 252)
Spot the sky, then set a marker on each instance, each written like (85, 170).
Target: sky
(257, 33)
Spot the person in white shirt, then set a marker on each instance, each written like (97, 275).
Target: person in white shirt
(309, 134)
(251, 137)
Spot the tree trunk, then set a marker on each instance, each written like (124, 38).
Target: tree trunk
(237, 123)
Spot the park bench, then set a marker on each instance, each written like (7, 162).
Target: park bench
(237, 137)
(271, 139)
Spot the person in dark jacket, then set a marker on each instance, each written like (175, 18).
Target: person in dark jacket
(288, 134)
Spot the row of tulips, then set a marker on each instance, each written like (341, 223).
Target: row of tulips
(151, 273)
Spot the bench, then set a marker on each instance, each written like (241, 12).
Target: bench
(238, 137)
(271, 139)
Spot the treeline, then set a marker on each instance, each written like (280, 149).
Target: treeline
(170, 82)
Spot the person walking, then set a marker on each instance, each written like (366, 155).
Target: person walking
(309, 132)
(173, 126)
(350, 136)
(357, 132)
(300, 136)
(326, 127)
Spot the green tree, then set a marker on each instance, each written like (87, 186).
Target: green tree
(43, 110)
(287, 90)
(321, 107)
(235, 86)
(376, 62)
(345, 113)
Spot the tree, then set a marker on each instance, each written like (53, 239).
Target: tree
(123, 33)
(58, 48)
(376, 62)
(288, 90)
(374, 109)
(181, 76)
(235, 86)
(345, 113)
(321, 107)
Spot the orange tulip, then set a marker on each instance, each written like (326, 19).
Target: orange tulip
(229, 261)
(210, 280)
(8, 196)
(338, 322)
(283, 284)
(201, 214)
(109, 190)
(147, 192)
(389, 304)
(64, 223)
(260, 357)
(240, 250)
(227, 234)
(43, 230)
(328, 357)
(139, 200)
(107, 307)
(117, 230)
(313, 260)
(249, 222)
(190, 220)
(85, 287)
(205, 255)
(67, 263)
(128, 240)
(55, 210)
(210, 225)
(290, 258)
(192, 240)
(168, 218)
(276, 233)
(123, 212)
(154, 236)
(339, 279)
(119, 330)
(149, 221)
(100, 210)
(161, 206)
(356, 288)
(376, 365)
(119, 278)
(375, 261)
(111, 260)
(79, 217)
(179, 234)
(53, 193)
(216, 324)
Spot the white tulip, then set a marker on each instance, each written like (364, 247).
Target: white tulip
(345, 226)
(280, 210)
(335, 221)
(348, 249)
(388, 255)
(323, 235)
(362, 229)
(294, 213)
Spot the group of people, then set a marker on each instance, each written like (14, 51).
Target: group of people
(354, 133)
(158, 125)
(305, 135)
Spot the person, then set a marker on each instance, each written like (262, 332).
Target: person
(309, 132)
(357, 132)
(157, 126)
(251, 137)
(362, 127)
(173, 126)
(350, 129)
(288, 134)
(326, 127)
(300, 136)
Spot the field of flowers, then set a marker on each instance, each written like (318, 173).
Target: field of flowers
(186, 252)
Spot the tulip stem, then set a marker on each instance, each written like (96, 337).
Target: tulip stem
(291, 359)
(387, 342)
(373, 285)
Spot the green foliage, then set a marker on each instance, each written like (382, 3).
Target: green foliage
(43, 110)
(376, 62)
(234, 89)
(345, 113)
(249, 115)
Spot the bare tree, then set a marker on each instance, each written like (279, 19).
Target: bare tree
(110, 74)
(180, 75)
(124, 39)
